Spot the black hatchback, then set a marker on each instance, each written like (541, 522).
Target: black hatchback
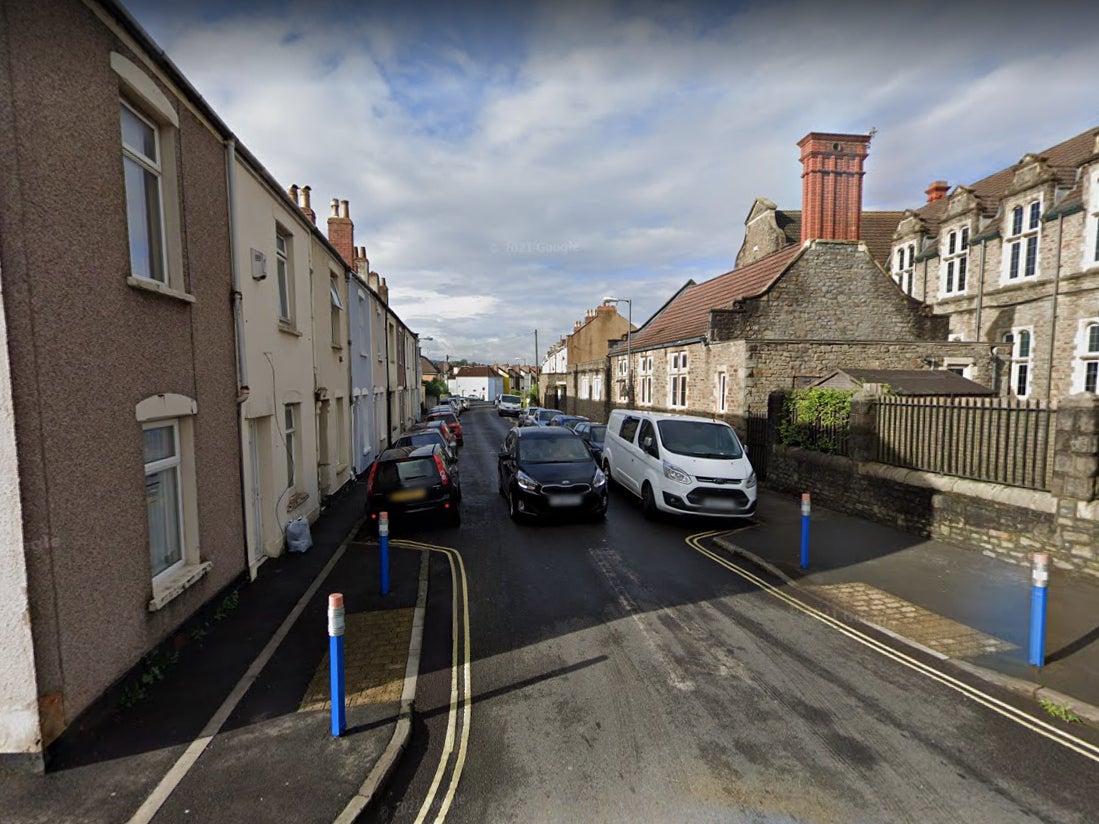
(412, 480)
(549, 471)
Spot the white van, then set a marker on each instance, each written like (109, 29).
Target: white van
(679, 463)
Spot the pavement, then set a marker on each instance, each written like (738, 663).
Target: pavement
(957, 603)
(230, 720)
(256, 662)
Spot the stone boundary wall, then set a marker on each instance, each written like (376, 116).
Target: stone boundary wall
(1006, 522)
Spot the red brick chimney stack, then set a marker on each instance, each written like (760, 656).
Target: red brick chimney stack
(937, 191)
(831, 185)
(341, 231)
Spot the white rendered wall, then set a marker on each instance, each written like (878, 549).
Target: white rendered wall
(19, 732)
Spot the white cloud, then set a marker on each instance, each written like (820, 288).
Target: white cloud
(517, 169)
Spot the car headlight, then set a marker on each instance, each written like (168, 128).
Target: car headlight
(750, 481)
(674, 473)
(526, 482)
(599, 479)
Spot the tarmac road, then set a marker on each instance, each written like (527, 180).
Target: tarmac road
(618, 673)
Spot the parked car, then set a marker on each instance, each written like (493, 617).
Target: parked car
(443, 428)
(527, 416)
(547, 471)
(543, 416)
(567, 421)
(592, 434)
(679, 464)
(453, 403)
(420, 437)
(451, 419)
(410, 481)
(509, 406)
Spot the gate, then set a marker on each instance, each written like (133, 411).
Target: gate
(759, 442)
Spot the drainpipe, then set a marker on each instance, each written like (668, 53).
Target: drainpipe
(234, 243)
(238, 333)
(1053, 309)
(980, 306)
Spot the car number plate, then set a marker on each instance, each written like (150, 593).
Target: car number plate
(402, 495)
(716, 502)
(565, 500)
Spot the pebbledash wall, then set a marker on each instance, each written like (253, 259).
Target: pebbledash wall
(1007, 522)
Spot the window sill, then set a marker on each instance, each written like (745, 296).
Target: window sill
(289, 328)
(175, 583)
(159, 288)
(296, 500)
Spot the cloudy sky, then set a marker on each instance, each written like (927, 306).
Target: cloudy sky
(508, 164)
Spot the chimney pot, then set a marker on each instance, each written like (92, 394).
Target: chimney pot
(305, 190)
(344, 209)
(937, 191)
(335, 207)
(294, 194)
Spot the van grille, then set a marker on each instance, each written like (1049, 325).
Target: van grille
(720, 481)
(707, 496)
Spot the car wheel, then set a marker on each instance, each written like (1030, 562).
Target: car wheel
(648, 503)
(455, 516)
(607, 471)
(513, 506)
(500, 483)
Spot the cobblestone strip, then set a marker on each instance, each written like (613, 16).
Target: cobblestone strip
(914, 622)
(375, 655)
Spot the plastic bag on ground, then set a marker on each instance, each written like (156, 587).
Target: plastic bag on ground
(298, 538)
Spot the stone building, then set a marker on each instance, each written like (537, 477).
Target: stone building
(793, 311)
(1012, 260)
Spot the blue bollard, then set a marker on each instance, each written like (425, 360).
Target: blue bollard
(335, 660)
(1039, 579)
(805, 530)
(383, 539)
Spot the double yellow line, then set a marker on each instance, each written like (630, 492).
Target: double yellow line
(1020, 717)
(451, 759)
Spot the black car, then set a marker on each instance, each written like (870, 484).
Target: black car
(592, 434)
(412, 480)
(549, 471)
(421, 437)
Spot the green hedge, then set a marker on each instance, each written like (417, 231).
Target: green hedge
(816, 419)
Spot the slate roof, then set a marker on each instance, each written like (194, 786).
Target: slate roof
(907, 381)
(689, 315)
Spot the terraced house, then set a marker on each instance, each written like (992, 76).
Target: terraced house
(175, 360)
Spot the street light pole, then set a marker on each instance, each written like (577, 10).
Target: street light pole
(607, 301)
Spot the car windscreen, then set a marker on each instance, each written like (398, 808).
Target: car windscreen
(509, 399)
(442, 416)
(397, 473)
(548, 414)
(553, 450)
(700, 439)
(419, 440)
